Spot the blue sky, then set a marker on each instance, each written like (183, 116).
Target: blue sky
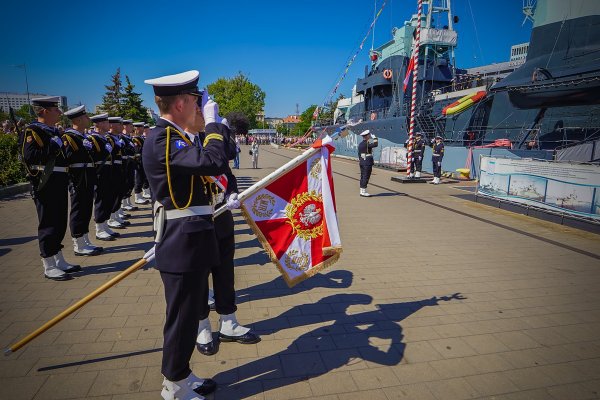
(294, 50)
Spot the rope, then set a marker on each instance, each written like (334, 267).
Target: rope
(411, 131)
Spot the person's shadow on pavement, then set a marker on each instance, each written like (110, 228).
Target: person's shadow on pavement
(348, 339)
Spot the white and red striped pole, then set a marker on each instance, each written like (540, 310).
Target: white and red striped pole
(413, 105)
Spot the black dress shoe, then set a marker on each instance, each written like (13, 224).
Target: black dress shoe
(247, 338)
(94, 252)
(74, 268)
(207, 387)
(207, 349)
(64, 277)
(115, 234)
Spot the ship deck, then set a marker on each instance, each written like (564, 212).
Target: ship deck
(434, 297)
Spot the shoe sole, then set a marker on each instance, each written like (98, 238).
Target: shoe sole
(108, 239)
(229, 340)
(93, 253)
(59, 278)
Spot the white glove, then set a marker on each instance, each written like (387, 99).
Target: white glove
(225, 122)
(57, 141)
(87, 144)
(439, 163)
(210, 109)
(121, 142)
(373, 136)
(108, 147)
(233, 202)
(420, 158)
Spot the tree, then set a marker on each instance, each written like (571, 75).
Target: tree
(132, 107)
(326, 113)
(25, 112)
(240, 95)
(112, 101)
(305, 121)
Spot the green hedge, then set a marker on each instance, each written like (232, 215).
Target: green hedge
(11, 169)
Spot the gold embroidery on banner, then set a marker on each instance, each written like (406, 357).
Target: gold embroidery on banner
(304, 214)
(263, 205)
(296, 260)
(315, 168)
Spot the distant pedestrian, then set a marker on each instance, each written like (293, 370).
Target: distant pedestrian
(236, 160)
(254, 151)
(365, 160)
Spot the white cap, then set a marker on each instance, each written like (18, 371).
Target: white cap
(75, 112)
(171, 85)
(364, 133)
(49, 101)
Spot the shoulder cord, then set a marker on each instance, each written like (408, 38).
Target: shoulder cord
(40, 143)
(169, 171)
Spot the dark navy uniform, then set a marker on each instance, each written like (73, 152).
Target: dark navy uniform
(49, 184)
(188, 247)
(139, 176)
(129, 165)
(103, 200)
(82, 174)
(365, 160)
(418, 154)
(437, 154)
(118, 181)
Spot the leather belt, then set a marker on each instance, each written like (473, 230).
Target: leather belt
(55, 169)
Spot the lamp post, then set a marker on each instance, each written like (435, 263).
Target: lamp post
(24, 66)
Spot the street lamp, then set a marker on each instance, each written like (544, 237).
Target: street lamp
(24, 66)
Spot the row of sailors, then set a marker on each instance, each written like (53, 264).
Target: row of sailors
(98, 170)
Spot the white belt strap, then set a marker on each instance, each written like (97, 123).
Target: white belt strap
(102, 162)
(117, 162)
(189, 212)
(55, 169)
(81, 165)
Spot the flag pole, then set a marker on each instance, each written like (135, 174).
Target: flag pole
(293, 163)
(148, 257)
(413, 105)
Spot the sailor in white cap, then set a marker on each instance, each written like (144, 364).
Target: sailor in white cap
(117, 217)
(186, 246)
(139, 176)
(437, 154)
(47, 169)
(128, 152)
(104, 194)
(365, 160)
(82, 174)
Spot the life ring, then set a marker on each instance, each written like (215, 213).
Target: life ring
(387, 74)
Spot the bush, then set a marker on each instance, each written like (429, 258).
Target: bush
(11, 169)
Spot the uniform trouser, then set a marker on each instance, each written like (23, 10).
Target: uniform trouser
(81, 190)
(223, 275)
(185, 294)
(417, 163)
(118, 179)
(139, 178)
(437, 169)
(103, 200)
(365, 175)
(52, 206)
(130, 178)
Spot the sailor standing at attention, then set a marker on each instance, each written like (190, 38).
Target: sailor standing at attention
(103, 196)
(139, 177)
(365, 160)
(128, 165)
(186, 246)
(82, 175)
(46, 163)
(437, 154)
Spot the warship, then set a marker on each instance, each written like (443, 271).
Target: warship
(528, 107)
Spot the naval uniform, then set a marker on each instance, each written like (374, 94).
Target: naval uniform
(49, 188)
(82, 174)
(103, 196)
(418, 153)
(365, 160)
(188, 247)
(139, 179)
(119, 185)
(437, 154)
(128, 165)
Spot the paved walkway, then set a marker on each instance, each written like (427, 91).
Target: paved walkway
(434, 297)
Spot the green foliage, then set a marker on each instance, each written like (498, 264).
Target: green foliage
(305, 121)
(4, 116)
(282, 129)
(11, 169)
(132, 107)
(326, 113)
(240, 95)
(25, 113)
(112, 101)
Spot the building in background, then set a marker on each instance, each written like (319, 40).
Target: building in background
(18, 100)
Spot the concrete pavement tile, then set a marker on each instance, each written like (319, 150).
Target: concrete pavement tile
(58, 387)
(106, 322)
(456, 388)
(22, 388)
(453, 347)
(491, 384)
(528, 378)
(485, 344)
(516, 340)
(116, 382)
(453, 368)
(488, 363)
(332, 383)
(572, 391)
(415, 391)
(415, 373)
(417, 352)
(286, 388)
(374, 378)
(116, 334)
(377, 394)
